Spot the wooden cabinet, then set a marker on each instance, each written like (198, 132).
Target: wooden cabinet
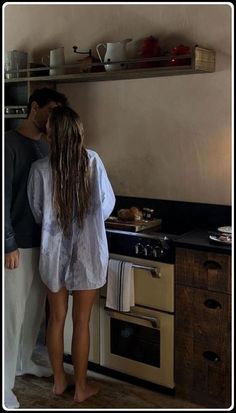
(203, 327)
(16, 99)
(17, 93)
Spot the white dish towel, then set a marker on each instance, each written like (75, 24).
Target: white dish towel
(120, 285)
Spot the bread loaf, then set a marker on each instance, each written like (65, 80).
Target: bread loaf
(132, 214)
(124, 214)
(136, 213)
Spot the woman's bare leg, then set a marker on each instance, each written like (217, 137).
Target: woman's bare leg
(58, 304)
(82, 306)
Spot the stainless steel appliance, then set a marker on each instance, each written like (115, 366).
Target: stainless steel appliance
(140, 343)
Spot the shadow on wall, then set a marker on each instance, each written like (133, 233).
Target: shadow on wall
(170, 24)
(38, 54)
(131, 21)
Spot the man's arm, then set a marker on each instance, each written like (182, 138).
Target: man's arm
(11, 249)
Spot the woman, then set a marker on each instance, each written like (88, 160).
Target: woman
(71, 196)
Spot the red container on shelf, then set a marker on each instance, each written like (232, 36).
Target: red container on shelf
(150, 48)
(177, 51)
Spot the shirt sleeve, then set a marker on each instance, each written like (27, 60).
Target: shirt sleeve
(35, 194)
(10, 242)
(107, 193)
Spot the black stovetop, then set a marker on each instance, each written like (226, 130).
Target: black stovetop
(153, 244)
(178, 219)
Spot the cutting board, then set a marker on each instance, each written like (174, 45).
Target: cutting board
(133, 226)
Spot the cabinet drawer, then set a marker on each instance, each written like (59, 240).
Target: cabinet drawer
(202, 269)
(201, 355)
(200, 375)
(202, 314)
(210, 388)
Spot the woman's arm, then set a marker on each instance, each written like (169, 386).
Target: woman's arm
(35, 194)
(107, 193)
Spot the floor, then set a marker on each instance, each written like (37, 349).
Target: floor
(36, 393)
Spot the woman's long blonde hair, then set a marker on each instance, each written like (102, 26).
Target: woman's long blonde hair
(70, 167)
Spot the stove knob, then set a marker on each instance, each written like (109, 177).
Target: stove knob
(148, 250)
(157, 252)
(139, 248)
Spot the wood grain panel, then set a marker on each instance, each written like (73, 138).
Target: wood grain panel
(203, 327)
(194, 317)
(203, 269)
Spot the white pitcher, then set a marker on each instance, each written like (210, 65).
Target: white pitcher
(56, 58)
(114, 52)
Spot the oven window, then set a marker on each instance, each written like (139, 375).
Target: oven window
(135, 342)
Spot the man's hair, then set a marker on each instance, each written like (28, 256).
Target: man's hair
(44, 96)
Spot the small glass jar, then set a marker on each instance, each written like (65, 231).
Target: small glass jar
(148, 213)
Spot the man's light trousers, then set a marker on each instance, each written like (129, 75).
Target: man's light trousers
(24, 307)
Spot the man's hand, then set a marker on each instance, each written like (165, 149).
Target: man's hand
(12, 259)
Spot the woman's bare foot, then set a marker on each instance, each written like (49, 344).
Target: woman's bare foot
(60, 385)
(88, 391)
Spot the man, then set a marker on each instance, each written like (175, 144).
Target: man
(24, 291)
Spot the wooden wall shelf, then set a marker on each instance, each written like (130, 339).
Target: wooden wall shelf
(200, 61)
(19, 88)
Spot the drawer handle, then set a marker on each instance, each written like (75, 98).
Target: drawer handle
(211, 356)
(210, 303)
(212, 265)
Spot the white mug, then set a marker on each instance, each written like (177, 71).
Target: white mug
(56, 58)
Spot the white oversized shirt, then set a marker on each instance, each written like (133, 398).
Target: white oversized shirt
(77, 262)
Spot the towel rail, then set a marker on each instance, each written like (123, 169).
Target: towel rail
(154, 270)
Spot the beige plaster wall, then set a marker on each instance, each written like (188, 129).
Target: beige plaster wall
(166, 137)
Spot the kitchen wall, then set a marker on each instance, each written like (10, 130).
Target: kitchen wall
(167, 137)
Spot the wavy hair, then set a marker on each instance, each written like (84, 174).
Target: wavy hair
(70, 167)
(45, 95)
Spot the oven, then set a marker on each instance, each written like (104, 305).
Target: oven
(140, 342)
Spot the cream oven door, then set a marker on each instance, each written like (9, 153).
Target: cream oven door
(139, 343)
(152, 289)
(94, 330)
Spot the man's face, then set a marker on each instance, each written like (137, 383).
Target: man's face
(41, 115)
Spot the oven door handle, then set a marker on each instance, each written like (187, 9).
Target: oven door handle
(154, 270)
(154, 321)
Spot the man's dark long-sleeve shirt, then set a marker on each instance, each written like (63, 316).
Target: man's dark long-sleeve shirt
(21, 231)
